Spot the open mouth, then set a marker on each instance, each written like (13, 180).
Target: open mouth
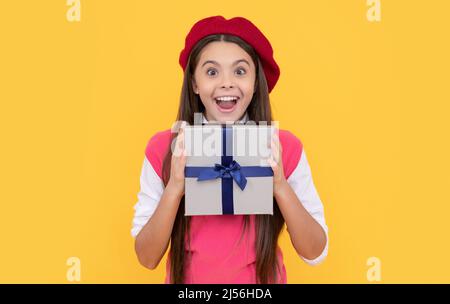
(226, 103)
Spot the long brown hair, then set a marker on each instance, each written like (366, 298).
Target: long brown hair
(268, 227)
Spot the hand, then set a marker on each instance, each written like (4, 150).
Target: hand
(276, 162)
(178, 163)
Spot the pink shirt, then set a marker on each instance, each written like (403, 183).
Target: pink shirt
(217, 254)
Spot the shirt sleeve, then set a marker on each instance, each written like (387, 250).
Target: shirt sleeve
(302, 183)
(151, 190)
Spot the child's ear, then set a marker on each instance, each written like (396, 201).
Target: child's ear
(194, 87)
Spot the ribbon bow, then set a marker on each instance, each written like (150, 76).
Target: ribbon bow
(231, 171)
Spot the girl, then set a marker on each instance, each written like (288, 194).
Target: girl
(229, 71)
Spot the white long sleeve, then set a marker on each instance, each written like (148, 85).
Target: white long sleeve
(302, 183)
(149, 196)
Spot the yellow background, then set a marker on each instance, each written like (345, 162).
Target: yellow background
(79, 101)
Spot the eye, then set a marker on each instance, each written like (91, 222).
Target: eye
(211, 70)
(241, 71)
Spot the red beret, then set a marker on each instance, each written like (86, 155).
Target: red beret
(242, 28)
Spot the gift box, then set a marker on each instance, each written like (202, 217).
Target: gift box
(227, 170)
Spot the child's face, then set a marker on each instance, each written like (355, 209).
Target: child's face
(224, 69)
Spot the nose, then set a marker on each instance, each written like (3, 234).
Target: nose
(227, 81)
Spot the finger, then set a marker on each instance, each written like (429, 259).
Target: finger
(177, 151)
(277, 140)
(279, 146)
(272, 138)
(273, 164)
(179, 142)
(183, 125)
(181, 134)
(179, 146)
(275, 151)
(270, 162)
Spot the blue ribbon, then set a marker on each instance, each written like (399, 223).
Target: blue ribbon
(228, 171)
(219, 170)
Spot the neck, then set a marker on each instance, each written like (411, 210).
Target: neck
(208, 119)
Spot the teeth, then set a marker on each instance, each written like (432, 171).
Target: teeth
(226, 98)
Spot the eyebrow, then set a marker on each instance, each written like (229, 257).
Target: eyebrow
(216, 63)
